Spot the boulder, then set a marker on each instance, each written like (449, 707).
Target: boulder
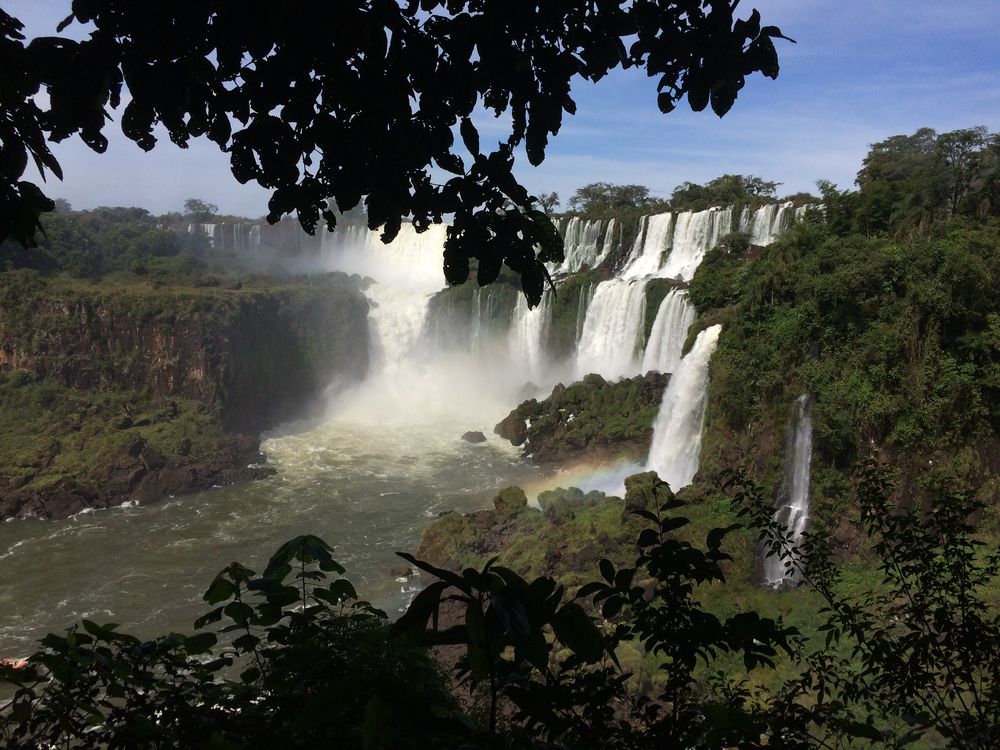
(474, 437)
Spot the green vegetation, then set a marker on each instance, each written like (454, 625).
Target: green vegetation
(909, 659)
(590, 419)
(895, 334)
(565, 311)
(602, 199)
(727, 190)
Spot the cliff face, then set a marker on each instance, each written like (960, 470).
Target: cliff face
(117, 392)
(254, 355)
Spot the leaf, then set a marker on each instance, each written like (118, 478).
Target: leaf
(414, 620)
(578, 632)
(220, 590)
(470, 136)
(200, 643)
(607, 569)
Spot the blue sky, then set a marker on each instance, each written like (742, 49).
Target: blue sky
(861, 71)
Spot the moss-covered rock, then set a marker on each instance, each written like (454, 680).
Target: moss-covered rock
(589, 419)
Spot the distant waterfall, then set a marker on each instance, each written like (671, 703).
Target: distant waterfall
(695, 234)
(527, 336)
(792, 501)
(676, 445)
(767, 223)
(611, 329)
(651, 243)
(586, 243)
(669, 332)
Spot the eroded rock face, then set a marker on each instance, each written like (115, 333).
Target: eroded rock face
(257, 356)
(589, 419)
(160, 391)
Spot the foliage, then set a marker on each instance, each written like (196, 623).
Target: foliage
(726, 190)
(591, 418)
(894, 339)
(548, 202)
(199, 210)
(392, 80)
(914, 182)
(89, 244)
(299, 662)
(600, 198)
(919, 653)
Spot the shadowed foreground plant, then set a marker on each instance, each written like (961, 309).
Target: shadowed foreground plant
(919, 654)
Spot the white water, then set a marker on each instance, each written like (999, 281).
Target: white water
(767, 223)
(694, 235)
(669, 332)
(651, 244)
(676, 443)
(387, 456)
(586, 243)
(610, 336)
(792, 501)
(527, 338)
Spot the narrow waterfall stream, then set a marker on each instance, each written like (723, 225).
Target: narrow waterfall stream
(791, 507)
(676, 443)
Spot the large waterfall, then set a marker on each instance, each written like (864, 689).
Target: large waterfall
(792, 501)
(611, 329)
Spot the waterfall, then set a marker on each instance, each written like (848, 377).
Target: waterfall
(651, 243)
(769, 221)
(206, 229)
(676, 443)
(695, 234)
(586, 243)
(791, 506)
(611, 329)
(582, 305)
(669, 332)
(527, 337)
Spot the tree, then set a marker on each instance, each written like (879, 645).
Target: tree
(727, 189)
(603, 197)
(549, 202)
(357, 100)
(199, 211)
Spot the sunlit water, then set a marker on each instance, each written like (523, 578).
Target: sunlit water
(367, 491)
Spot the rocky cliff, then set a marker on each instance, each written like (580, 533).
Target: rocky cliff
(114, 391)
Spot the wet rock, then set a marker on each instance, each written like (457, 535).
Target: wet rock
(401, 571)
(474, 437)
(510, 502)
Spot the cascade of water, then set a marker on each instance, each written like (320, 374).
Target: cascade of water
(611, 329)
(746, 218)
(792, 501)
(695, 233)
(206, 229)
(770, 221)
(651, 244)
(585, 243)
(528, 330)
(669, 332)
(582, 305)
(610, 241)
(676, 444)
